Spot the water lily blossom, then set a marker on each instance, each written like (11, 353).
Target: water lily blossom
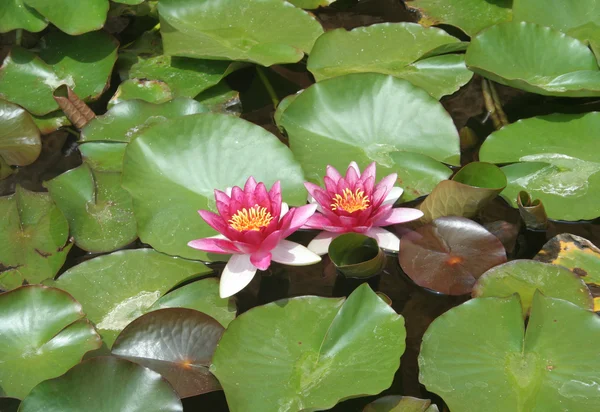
(253, 225)
(354, 203)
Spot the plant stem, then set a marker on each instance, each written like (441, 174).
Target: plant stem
(268, 86)
(18, 36)
(492, 104)
(498, 104)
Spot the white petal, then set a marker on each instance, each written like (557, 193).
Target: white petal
(312, 201)
(320, 244)
(284, 209)
(385, 239)
(219, 236)
(355, 166)
(293, 254)
(228, 191)
(237, 274)
(394, 195)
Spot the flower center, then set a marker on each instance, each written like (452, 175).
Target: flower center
(254, 218)
(350, 201)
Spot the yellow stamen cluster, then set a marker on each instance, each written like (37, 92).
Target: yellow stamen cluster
(350, 201)
(254, 218)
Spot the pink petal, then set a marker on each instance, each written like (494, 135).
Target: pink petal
(341, 185)
(222, 197)
(250, 185)
(368, 185)
(354, 166)
(383, 188)
(299, 217)
(262, 196)
(214, 245)
(223, 209)
(238, 273)
(332, 173)
(215, 221)
(294, 254)
(317, 221)
(352, 176)
(271, 241)
(370, 171)
(261, 260)
(330, 185)
(399, 215)
(275, 189)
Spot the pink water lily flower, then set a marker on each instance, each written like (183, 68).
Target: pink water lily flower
(354, 203)
(253, 225)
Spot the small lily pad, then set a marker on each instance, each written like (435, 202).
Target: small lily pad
(312, 348)
(117, 288)
(15, 15)
(356, 255)
(51, 122)
(72, 17)
(20, 142)
(44, 333)
(33, 238)
(478, 354)
(110, 384)
(177, 343)
(151, 91)
(396, 403)
(266, 32)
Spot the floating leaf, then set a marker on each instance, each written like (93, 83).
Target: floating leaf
(376, 49)
(366, 117)
(532, 212)
(418, 174)
(177, 343)
(560, 171)
(72, 17)
(51, 122)
(311, 349)
(396, 403)
(117, 288)
(103, 156)
(526, 276)
(20, 142)
(474, 186)
(536, 59)
(15, 15)
(356, 255)
(470, 16)
(266, 32)
(128, 119)
(311, 4)
(203, 296)
(109, 384)
(449, 254)
(33, 238)
(151, 91)
(189, 157)
(221, 99)
(478, 354)
(43, 333)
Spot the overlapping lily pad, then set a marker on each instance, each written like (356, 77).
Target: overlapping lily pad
(20, 142)
(172, 169)
(72, 17)
(152, 91)
(367, 117)
(14, 14)
(117, 288)
(397, 403)
(536, 59)
(449, 254)
(51, 122)
(311, 4)
(479, 354)
(310, 349)
(392, 48)
(106, 384)
(33, 238)
(264, 32)
(553, 166)
(178, 344)
(221, 99)
(44, 333)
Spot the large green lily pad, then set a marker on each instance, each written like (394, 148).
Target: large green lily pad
(20, 142)
(479, 357)
(103, 156)
(470, 16)
(526, 276)
(310, 349)
(117, 288)
(172, 169)
(558, 163)
(106, 384)
(391, 48)
(536, 59)
(14, 15)
(126, 120)
(177, 343)
(366, 117)
(72, 17)
(44, 333)
(33, 238)
(264, 32)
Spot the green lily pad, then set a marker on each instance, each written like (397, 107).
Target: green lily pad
(356, 255)
(72, 17)
(375, 49)
(266, 32)
(470, 16)
(310, 348)
(33, 238)
(128, 119)
(14, 15)
(311, 4)
(20, 142)
(397, 403)
(187, 158)
(177, 343)
(474, 186)
(366, 117)
(221, 99)
(51, 122)
(106, 384)
(536, 59)
(554, 167)
(418, 174)
(103, 156)
(44, 333)
(151, 91)
(526, 276)
(99, 210)
(117, 288)
(203, 296)
(478, 356)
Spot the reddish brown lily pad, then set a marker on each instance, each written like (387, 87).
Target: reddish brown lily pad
(449, 254)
